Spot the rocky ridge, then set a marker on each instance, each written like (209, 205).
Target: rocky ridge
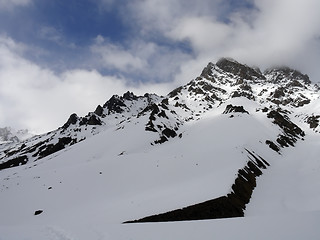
(280, 92)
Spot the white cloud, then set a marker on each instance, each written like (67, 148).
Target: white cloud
(10, 4)
(147, 59)
(37, 98)
(271, 32)
(116, 57)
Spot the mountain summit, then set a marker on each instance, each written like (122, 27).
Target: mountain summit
(223, 145)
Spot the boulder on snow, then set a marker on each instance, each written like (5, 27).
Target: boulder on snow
(38, 212)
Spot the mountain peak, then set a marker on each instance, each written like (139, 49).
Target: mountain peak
(238, 69)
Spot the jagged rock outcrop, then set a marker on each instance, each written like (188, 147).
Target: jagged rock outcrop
(243, 71)
(71, 120)
(230, 108)
(283, 74)
(275, 88)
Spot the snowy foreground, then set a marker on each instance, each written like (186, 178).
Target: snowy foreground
(85, 193)
(289, 226)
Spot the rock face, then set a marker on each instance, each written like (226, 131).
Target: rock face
(282, 74)
(243, 71)
(230, 108)
(71, 121)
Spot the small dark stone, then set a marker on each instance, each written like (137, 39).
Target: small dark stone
(38, 212)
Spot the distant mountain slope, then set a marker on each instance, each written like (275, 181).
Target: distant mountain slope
(9, 135)
(209, 143)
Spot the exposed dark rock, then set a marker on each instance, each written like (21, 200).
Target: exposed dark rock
(230, 108)
(273, 146)
(279, 92)
(238, 69)
(299, 102)
(195, 90)
(71, 121)
(231, 205)
(20, 160)
(99, 111)
(49, 149)
(38, 212)
(286, 141)
(162, 114)
(161, 140)
(169, 133)
(94, 120)
(207, 71)
(288, 127)
(34, 147)
(129, 96)
(114, 104)
(182, 105)
(90, 120)
(313, 121)
(295, 83)
(155, 109)
(291, 132)
(206, 86)
(165, 102)
(175, 92)
(243, 94)
(280, 73)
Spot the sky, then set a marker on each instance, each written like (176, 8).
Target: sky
(61, 57)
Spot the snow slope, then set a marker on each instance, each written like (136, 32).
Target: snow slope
(289, 226)
(140, 156)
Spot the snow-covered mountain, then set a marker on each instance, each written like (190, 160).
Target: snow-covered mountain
(232, 142)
